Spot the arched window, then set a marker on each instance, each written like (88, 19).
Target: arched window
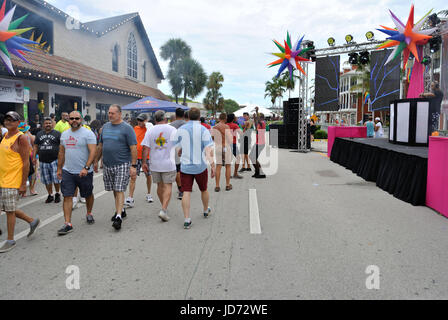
(132, 57)
(115, 53)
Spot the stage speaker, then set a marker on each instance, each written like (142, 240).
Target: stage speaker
(291, 117)
(410, 122)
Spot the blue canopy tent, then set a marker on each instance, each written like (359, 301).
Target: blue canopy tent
(150, 104)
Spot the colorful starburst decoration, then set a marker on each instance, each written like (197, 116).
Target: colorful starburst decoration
(406, 38)
(290, 56)
(10, 42)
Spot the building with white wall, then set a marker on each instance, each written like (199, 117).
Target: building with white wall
(89, 65)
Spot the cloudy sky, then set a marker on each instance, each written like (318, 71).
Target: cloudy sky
(235, 37)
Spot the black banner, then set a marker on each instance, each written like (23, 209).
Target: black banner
(327, 84)
(384, 80)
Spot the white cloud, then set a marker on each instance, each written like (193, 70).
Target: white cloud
(234, 37)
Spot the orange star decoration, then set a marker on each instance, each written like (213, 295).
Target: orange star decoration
(406, 38)
(290, 57)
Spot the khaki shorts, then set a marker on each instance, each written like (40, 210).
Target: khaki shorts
(164, 177)
(9, 199)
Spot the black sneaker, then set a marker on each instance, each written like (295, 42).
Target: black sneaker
(117, 224)
(123, 215)
(248, 169)
(57, 198)
(242, 170)
(90, 219)
(260, 176)
(187, 225)
(50, 199)
(66, 229)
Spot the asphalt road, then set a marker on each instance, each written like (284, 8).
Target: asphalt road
(321, 228)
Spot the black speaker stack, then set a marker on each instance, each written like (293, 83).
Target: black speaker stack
(291, 111)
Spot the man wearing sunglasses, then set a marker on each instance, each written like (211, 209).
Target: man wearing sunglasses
(14, 168)
(76, 156)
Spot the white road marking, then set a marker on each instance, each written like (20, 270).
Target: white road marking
(23, 234)
(23, 205)
(255, 226)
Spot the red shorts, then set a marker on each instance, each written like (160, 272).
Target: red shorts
(187, 180)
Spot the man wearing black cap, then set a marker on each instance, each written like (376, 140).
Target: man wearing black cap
(140, 132)
(14, 169)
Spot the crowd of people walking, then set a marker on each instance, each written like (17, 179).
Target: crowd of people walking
(66, 154)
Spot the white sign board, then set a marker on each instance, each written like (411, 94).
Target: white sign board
(11, 91)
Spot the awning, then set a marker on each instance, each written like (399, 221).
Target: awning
(150, 104)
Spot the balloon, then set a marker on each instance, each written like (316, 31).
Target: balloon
(290, 56)
(406, 38)
(9, 40)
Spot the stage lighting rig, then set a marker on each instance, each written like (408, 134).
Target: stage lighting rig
(434, 20)
(353, 58)
(349, 39)
(311, 54)
(364, 58)
(426, 60)
(370, 36)
(331, 42)
(434, 43)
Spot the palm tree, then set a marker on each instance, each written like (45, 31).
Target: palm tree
(193, 77)
(288, 83)
(175, 50)
(214, 100)
(443, 13)
(275, 90)
(363, 85)
(271, 91)
(175, 82)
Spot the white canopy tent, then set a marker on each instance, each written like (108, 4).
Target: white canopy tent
(251, 110)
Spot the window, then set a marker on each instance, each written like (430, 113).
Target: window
(132, 57)
(102, 112)
(144, 71)
(115, 58)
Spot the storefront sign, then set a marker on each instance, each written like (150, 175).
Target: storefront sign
(11, 91)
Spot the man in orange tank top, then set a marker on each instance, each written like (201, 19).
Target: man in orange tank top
(14, 169)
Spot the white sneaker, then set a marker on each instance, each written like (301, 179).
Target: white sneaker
(75, 203)
(82, 200)
(163, 215)
(149, 198)
(130, 203)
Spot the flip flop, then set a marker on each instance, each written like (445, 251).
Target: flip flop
(217, 189)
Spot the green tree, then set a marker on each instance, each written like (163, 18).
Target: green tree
(362, 84)
(191, 76)
(274, 89)
(175, 50)
(214, 100)
(230, 106)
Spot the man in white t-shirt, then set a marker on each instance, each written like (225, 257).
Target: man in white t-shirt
(159, 144)
(379, 132)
